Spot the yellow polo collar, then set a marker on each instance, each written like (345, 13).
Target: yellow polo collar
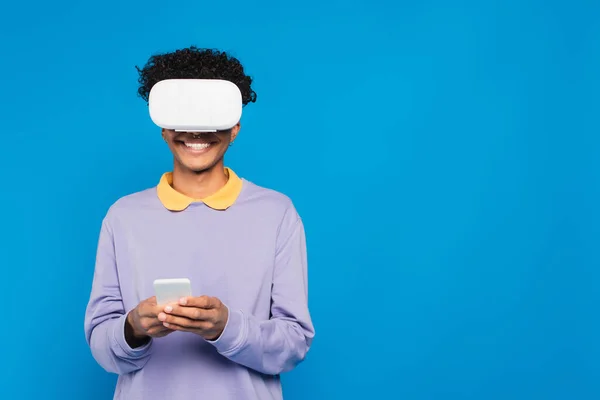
(221, 200)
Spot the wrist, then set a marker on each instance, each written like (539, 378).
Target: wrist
(222, 325)
(132, 337)
(234, 334)
(135, 333)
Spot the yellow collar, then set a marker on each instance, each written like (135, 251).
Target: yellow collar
(221, 200)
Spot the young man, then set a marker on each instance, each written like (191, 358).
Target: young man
(242, 247)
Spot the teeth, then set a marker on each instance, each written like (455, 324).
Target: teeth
(197, 146)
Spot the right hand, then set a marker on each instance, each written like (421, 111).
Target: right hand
(144, 322)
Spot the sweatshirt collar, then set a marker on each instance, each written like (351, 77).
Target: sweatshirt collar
(221, 200)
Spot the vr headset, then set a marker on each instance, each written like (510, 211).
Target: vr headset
(195, 105)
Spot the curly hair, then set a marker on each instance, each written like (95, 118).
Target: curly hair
(194, 63)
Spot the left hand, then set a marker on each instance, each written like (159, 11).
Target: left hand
(204, 316)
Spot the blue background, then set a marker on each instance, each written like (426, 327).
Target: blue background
(444, 158)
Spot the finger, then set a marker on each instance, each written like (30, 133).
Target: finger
(150, 301)
(198, 314)
(182, 328)
(200, 302)
(147, 323)
(159, 331)
(171, 320)
(150, 310)
(173, 328)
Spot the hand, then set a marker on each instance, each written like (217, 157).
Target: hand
(144, 324)
(204, 316)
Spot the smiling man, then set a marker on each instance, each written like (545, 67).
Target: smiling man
(241, 245)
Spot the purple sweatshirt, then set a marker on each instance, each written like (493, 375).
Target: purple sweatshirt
(244, 245)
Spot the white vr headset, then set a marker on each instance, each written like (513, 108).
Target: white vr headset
(195, 105)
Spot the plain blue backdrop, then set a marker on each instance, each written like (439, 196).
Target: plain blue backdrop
(444, 157)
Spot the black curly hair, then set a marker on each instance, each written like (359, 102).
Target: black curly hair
(194, 63)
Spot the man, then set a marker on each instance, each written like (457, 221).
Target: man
(242, 247)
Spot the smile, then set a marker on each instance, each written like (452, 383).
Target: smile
(197, 146)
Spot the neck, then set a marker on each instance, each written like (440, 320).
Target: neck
(199, 185)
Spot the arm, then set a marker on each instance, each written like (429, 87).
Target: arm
(279, 344)
(105, 318)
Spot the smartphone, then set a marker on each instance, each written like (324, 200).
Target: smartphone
(171, 290)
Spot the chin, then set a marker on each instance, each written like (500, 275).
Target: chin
(197, 166)
(199, 170)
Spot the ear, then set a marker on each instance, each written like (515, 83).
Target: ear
(234, 131)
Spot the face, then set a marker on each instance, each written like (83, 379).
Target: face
(201, 152)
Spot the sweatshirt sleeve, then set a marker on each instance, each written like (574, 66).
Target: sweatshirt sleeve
(279, 344)
(105, 315)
